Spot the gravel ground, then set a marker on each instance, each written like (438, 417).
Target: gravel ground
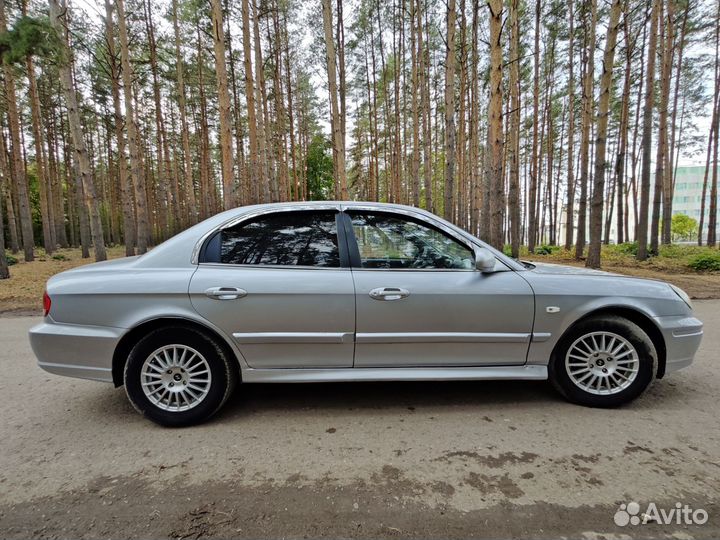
(368, 460)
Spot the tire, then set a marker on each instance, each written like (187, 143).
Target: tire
(624, 359)
(183, 389)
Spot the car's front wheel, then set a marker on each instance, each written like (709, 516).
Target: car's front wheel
(603, 361)
(178, 376)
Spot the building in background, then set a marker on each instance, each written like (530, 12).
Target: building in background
(688, 193)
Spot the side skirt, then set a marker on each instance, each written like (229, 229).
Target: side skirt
(489, 373)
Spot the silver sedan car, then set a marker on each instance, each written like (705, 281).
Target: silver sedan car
(352, 291)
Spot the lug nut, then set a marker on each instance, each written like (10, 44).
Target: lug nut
(604, 370)
(172, 384)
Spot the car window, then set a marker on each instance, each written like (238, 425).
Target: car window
(285, 238)
(386, 241)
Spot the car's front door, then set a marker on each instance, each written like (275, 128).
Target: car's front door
(279, 284)
(420, 301)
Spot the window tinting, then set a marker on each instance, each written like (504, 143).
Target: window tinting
(386, 241)
(285, 238)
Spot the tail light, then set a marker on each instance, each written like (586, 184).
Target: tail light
(47, 303)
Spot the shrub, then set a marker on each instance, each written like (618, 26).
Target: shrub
(628, 248)
(680, 251)
(11, 260)
(546, 249)
(60, 257)
(705, 262)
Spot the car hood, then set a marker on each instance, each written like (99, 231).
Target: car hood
(560, 269)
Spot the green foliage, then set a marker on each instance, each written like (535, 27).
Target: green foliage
(546, 249)
(680, 251)
(626, 248)
(10, 259)
(320, 169)
(706, 262)
(31, 36)
(60, 257)
(683, 227)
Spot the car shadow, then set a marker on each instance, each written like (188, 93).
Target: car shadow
(373, 396)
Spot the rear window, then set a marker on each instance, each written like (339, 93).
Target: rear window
(282, 239)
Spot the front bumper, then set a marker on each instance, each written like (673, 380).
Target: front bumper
(72, 350)
(682, 336)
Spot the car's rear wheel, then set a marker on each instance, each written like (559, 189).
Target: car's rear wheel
(178, 376)
(603, 361)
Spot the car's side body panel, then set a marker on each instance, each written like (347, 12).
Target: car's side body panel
(565, 295)
(289, 317)
(449, 318)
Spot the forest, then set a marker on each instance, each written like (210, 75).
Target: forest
(528, 123)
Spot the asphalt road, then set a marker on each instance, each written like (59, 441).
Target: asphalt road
(470, 459)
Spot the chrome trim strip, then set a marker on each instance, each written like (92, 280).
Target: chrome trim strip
(440, 337)
(539, 337)
(295, 375)
(273, 266)
(292, 337)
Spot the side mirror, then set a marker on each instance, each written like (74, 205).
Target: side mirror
(484, 260)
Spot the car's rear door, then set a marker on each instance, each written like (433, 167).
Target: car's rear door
(420, 301)
(279, 283)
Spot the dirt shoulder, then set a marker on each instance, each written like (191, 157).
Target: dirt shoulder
(22, 293)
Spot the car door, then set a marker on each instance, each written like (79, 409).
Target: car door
(280, 285)
(420, 301)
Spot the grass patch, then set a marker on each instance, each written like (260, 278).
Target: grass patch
(23, 291)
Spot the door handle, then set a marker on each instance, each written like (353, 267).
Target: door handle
(389, 293)
(225, 293)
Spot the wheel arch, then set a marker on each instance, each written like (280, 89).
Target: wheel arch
(636, 316)
(128, 341)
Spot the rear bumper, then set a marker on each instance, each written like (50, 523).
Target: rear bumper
(682, 339)
(71, 350)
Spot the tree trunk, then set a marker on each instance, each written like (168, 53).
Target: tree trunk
(712, 218)
(570, 211)
(190, 200)
(38, 132)
(494, 160)
(623, 128)
(129, 234)
(587, 118)
(663, 175)
(449, 201)
(18, 164)
(78, 137)
(414, 99)
(337, 122)
(136, 170)
(596, 208)
(4, 269)
(227, 166)
(646, 143)
(514, 131)
(253, 170)
(535, 151)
